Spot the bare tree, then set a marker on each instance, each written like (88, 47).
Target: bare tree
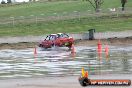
(96, 4)
(123, 2)
(9, 1)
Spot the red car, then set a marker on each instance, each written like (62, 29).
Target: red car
(60, 40)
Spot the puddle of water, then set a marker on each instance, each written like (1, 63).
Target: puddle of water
(59, 62)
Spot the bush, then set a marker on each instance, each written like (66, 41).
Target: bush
(3, 2)
(9, 1)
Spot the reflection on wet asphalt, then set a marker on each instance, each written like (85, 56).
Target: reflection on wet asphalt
(60, 62)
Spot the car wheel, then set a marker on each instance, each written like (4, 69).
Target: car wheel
(52, 45)
(40, 45)
(69, 46)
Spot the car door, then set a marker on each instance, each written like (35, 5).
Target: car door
(65, 38)
(47, 42)
(53, 40)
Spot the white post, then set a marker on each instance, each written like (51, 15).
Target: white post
(36, 20)
(12, 18)
(22, 18)
(79, 16)
(42, 16)
(55, 14)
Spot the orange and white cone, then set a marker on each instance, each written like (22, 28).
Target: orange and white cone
(99, 49)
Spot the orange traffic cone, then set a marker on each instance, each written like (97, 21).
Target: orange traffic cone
(99, 49)
(99, 46)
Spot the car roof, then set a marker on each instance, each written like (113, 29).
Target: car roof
(53, 34)
(60, 33)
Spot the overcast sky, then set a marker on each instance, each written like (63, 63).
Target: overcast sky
(17, 0)
(21, 0)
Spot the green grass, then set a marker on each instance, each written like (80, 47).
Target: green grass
(69, 25)
(49, 8)
(42, 8)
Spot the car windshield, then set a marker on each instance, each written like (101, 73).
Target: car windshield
(65, 36)
(62, 36)
(50, 37)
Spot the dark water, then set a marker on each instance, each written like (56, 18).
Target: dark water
(60, 62)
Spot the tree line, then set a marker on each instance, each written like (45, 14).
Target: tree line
(96, 4)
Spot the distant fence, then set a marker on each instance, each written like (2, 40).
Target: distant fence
(102, 35)
(109, 12)
(79, 36)
(106, 35)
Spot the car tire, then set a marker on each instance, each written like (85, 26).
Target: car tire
(40, 45)
(70, 46)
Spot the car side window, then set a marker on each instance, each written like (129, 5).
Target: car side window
(47, 38)
(58, 36)
(65, 36)
(52, 37)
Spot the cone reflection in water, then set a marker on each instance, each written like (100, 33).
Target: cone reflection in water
(73, 50)
(100, 55)
(35, 51)
(35, 54)
(106, 51)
